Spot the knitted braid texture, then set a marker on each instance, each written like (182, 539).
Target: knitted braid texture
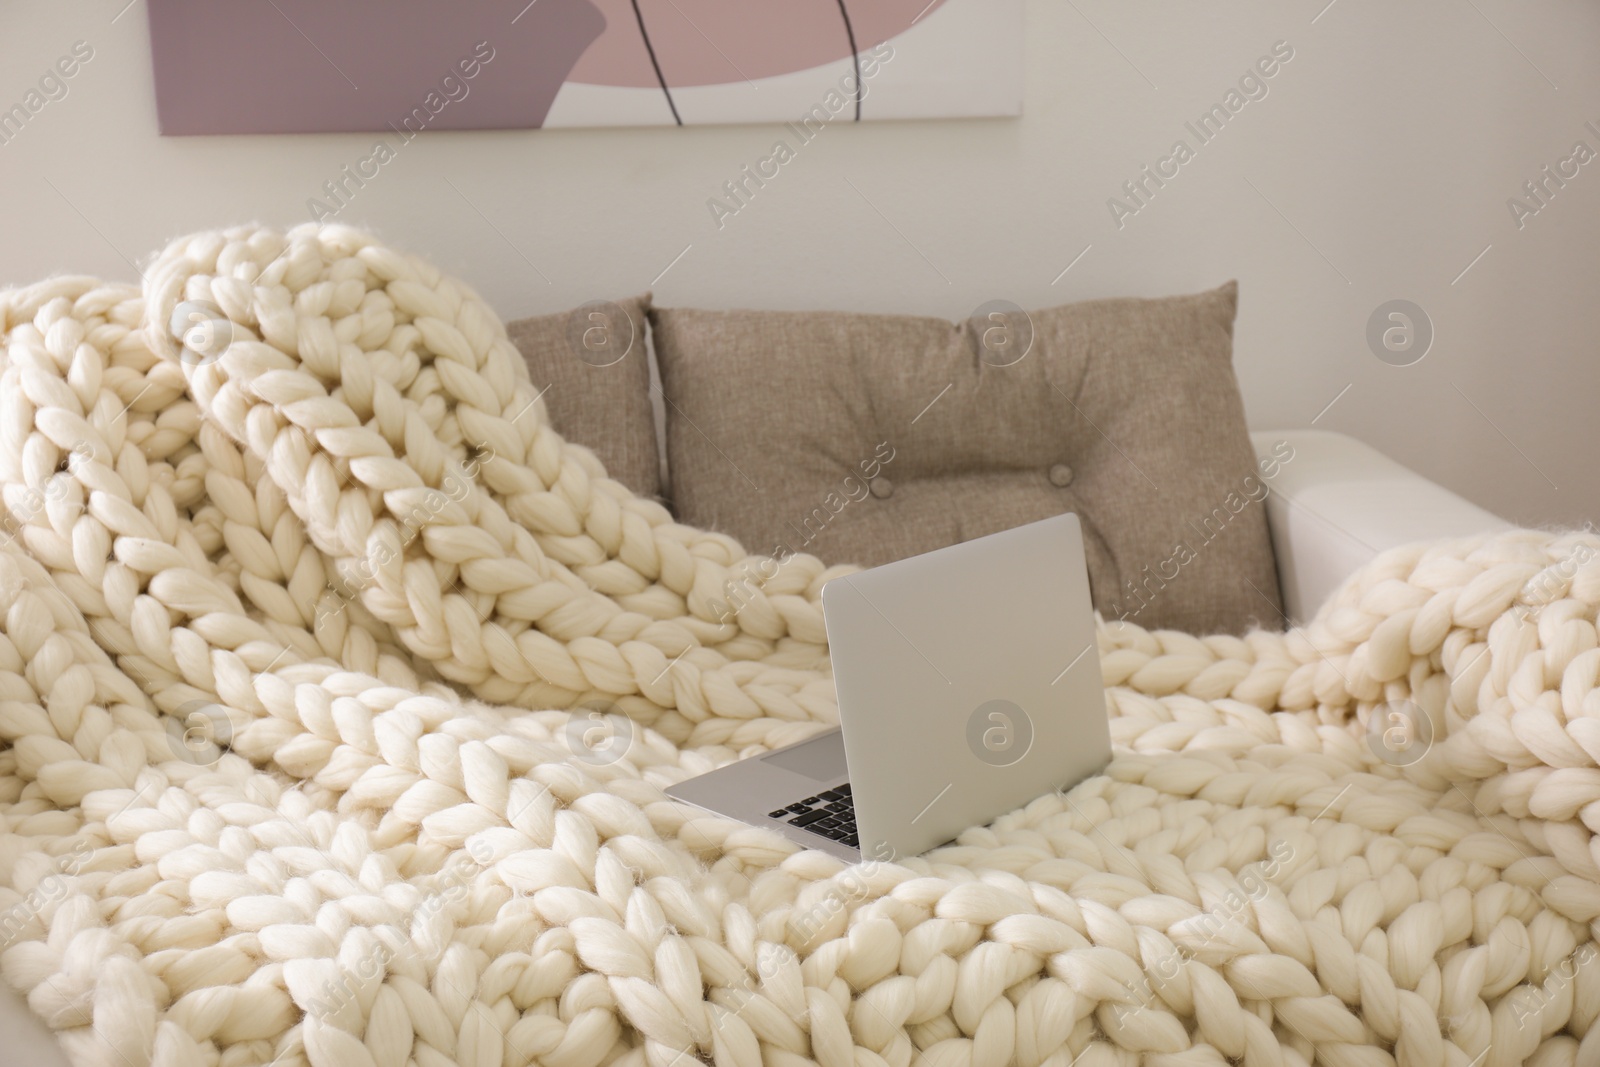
(308, 623)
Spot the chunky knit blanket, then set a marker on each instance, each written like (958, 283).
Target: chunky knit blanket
(338, 694)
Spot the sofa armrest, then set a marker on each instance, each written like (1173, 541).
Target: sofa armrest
(1335, 503)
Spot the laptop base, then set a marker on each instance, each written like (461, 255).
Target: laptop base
(758, 789)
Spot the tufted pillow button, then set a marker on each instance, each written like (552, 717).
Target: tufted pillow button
(882, 488)
(1061, 475)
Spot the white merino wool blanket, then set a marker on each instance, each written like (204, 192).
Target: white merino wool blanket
(295, 569)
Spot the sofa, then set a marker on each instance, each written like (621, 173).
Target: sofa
(1150, 388)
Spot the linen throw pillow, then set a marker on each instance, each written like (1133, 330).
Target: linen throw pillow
(868, 438)
(593, 364)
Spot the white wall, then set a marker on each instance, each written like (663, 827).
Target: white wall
(1390, 144)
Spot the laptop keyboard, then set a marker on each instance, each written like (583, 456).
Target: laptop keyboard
(831, 814)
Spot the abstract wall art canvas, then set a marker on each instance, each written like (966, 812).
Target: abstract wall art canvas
(307, 66)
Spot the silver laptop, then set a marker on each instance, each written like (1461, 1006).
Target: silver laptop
(969, 683)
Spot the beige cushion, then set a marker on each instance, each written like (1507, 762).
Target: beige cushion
(593, 363)
(868, 438)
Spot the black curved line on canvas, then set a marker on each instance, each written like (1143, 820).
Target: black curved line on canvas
(854, 55)
(648, 47)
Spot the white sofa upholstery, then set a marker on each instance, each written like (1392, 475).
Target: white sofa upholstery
(27, 1040)
(1338, 503)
